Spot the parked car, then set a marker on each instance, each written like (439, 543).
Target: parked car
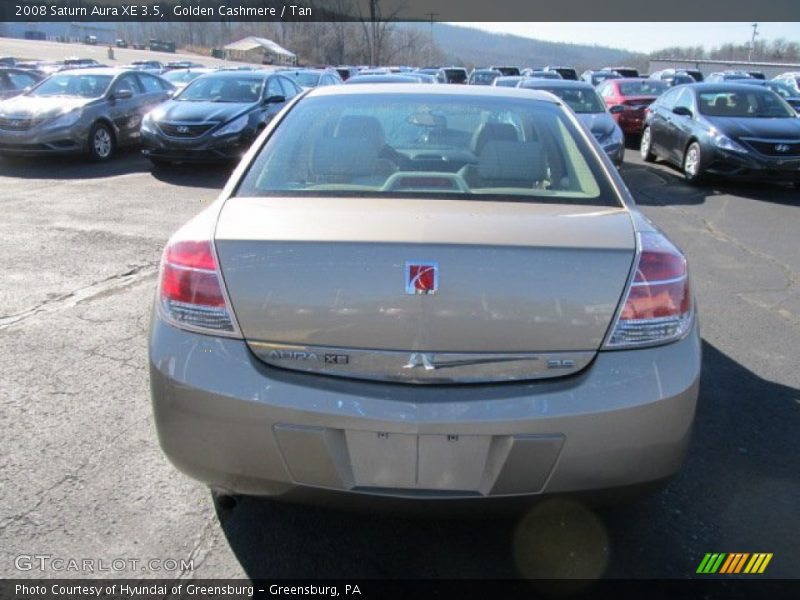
(331, 326)
(92, 111)
(727, 76)
(180, 78)
(732, 129)
(597, 77)
(422, 77)
(792, 79)
(14, 81)
(626, 72)
(347, 72)
(310, 78)
(215, 117)
(541, 74)
(582, 98)
(508, 71)
(695, 74)
(504, 81)
(633, 96)
(385, 78)
(565, 72)
(182, 64)
(80, 63)
(483, 76)
(91, 40)
(435, 72)
(783, 89)
(673, 77)
(757, 74)
(455, 75)
(153, 66)
(120, 43)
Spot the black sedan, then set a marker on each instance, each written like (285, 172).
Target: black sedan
(217, 116)
(731, 129)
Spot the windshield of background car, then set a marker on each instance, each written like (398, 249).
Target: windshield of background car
(241, 89)
(600, 77)
(581, 100)
(642, 88)
(305, 79)
(748, 104)
(485, 77)
(419, 145)
(782, 89)
(82, 86)
(181, 76)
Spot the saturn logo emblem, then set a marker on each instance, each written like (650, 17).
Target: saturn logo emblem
(421, 278)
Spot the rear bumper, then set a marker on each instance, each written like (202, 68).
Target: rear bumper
(230, 421)
(631, 123)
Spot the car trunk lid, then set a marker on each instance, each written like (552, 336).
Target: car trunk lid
(525, 289)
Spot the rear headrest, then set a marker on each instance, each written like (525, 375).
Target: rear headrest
(512, 163)
(498, 132)
(369, 129)
(342, 158)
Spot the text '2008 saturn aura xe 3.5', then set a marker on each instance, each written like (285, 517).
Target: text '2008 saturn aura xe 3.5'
(428, 293)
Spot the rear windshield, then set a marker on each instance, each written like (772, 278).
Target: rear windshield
(645, 87)
(420, 145)
(753, 104)
(580, 99)
(455, 75)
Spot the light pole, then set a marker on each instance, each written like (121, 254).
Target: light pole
(752, 42)
(431, 15)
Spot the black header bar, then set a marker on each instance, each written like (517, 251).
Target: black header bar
(397, 10)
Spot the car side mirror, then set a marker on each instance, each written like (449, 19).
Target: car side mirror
(122, 94)
(682, 111)
(274, 99)
(616, 109)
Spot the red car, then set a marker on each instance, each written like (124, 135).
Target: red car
(634, 95)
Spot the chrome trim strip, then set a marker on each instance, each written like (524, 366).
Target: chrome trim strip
(408, 366)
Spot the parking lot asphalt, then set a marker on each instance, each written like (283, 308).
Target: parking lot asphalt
(83, 475)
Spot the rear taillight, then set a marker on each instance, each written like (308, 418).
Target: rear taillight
(658, 305)
(190, 293)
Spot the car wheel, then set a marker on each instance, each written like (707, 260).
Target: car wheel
(692, 169)
(101, 142)
(645, 146)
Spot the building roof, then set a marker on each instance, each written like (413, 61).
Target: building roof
(253, 43)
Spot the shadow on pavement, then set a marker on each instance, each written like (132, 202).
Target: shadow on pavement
(738, 491)
(126, 162)
(210, 176)
(663, 184)
(73, 166)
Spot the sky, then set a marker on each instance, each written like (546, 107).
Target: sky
(644, 37)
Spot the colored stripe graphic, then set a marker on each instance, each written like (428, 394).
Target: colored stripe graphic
(711, 562)
(734, 563)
